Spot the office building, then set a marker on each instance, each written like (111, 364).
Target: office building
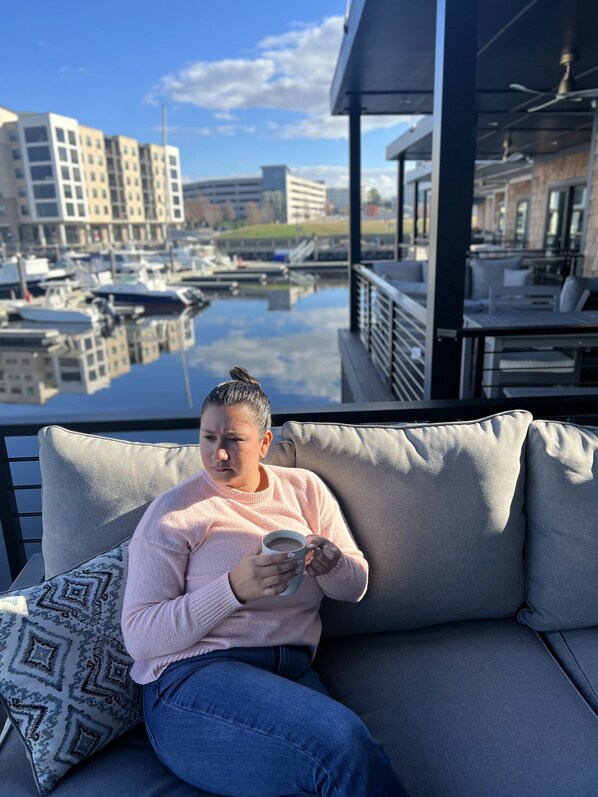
(277, 194)
(69, 184)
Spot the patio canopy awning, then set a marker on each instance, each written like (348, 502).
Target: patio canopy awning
(386, 66)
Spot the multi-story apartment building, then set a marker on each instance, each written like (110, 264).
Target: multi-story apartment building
(70, 184)
(279, 195)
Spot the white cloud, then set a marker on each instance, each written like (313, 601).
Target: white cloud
(291, 72)
(383, 179)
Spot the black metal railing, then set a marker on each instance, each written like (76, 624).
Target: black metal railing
(392, 327)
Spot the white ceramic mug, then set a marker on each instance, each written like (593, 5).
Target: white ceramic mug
(286, 540)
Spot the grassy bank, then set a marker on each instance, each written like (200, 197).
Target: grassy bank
(309, 228)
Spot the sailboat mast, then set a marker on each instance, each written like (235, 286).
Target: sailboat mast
(166, 179)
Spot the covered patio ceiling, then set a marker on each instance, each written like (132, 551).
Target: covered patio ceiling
(386, 66)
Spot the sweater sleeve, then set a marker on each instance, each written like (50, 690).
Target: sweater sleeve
(348, 580)
(158, 618)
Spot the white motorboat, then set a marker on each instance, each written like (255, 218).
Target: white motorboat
(62, 303)
(36, 269)
(144, 285)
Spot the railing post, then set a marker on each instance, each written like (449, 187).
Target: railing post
(9, 515)
(354, 210)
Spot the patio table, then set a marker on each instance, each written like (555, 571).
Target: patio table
(487, 336)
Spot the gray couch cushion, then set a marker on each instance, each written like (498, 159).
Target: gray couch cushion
(490, 271)
(577, 652)
(517, 277)
(95, 489)
(406, 270)
(475, 709)
(438, 511)
(562, 535)
(128, 767)
(573, 287)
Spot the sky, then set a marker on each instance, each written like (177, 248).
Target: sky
(245, 83)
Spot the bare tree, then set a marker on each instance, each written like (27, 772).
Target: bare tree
(252, 213)
(230, 214)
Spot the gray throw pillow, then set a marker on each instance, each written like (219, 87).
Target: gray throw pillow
(562, 527)
(64, 670)
(517, 277)
(437, 510)
(406, 270)
(96, 489)
(489, 271)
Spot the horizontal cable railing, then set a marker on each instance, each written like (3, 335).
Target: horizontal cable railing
(392, 328)
(20, 481)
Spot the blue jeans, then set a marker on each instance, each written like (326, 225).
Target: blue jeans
(257, 722)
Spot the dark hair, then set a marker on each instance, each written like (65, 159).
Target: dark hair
(242, 389)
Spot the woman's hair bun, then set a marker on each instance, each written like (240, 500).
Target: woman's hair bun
(239, 374)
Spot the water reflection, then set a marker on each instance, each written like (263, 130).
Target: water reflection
(285, 334)
(38, 364)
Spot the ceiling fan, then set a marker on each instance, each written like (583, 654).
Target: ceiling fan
(566, 89)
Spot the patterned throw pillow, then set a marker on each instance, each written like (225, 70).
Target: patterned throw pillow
(64, 670)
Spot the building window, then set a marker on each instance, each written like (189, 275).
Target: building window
(12, 136)
(19, 174)
(60, 134)
(79, 192)
(177, 213)
(87, 141)
(98, 144)
(62, 154)
(36, 154)
(90, 159)
(16, 155)
(81, 209)
(22, 192)
(74, 156)
(66, 172)
(41, 172)
(44, 191)
(565, 217)
(94, 193)
(70, 209)
(33, 135)
(96, 210)
(46, 209)
(172, 160)
(24, 210)
(72, 138)
(77, 175)
(521, 218)
(68, 191)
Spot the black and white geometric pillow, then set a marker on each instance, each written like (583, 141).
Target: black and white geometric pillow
(64, 670)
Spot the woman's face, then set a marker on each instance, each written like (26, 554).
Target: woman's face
(231, 445)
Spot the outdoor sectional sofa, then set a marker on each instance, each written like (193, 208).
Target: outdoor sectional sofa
(473, 656)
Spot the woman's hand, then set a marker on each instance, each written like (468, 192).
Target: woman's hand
(261, 576)
(323, 557)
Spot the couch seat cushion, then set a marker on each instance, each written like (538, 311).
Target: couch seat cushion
(128, 767)
(437, 510)
(573, 287)
(577, 652)
(95, 489)
(562, 536)
(474, 709)
(408, 270)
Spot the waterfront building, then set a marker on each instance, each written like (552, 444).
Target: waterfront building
(278, 194)
(65, 183)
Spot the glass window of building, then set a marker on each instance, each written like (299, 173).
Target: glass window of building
(521, 218)
(565, 217)
(66, 172)
(41, 172)
(16, 155)
(44, 191)
(22, 192)
(70, 209)
(72, 138)
(60, 134)
(87, 141)
(81, 209)
(90, 159)
(24, 210)
(77, 175)
(173, 174)
(19, 174)
(12, 136)
(34, 135)
(96, 210)
(62, 154)
(79, 192)
(98, 144)
(172, 160)
(74, 156)
(68, 191)
(46, 209)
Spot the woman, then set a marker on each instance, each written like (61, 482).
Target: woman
(231, 703)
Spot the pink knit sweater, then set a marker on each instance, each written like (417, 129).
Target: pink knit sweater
(178, 600)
